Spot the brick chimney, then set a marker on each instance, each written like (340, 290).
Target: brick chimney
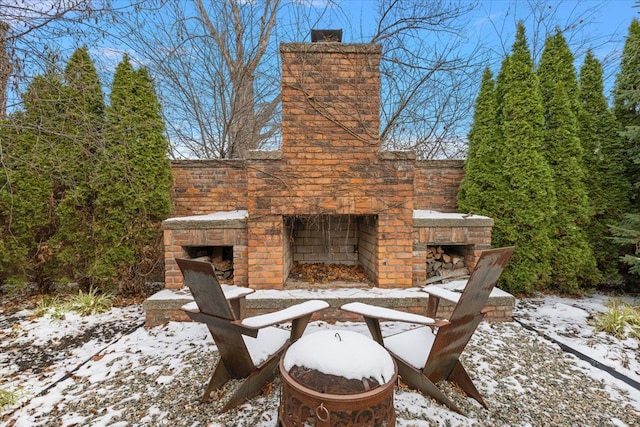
(330, 171)
(330, 100)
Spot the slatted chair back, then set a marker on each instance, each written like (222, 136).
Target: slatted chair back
(452, 339)
(200, 277)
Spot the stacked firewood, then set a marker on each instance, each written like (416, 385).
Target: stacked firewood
(224, 268)
(442, 266)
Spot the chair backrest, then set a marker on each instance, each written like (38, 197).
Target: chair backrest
(200, 277)
(451, 339)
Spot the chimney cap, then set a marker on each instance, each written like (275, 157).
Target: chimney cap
(326, 36)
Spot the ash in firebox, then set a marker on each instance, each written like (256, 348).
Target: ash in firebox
(325, 273)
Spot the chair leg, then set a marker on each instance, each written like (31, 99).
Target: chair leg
(460, 377)
(219, 377)
(418, 381)
(432, 306)
(252, 385)
(298, 327)
(374, 329)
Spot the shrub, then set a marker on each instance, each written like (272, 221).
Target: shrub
(7, 398)
(85, 304)
(52, 306)
(91, 302)
(620, 320)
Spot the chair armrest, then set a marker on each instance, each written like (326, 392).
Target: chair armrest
(232, 292)
(281, 316)
(442, 293)
(191, 307)
(383, 313)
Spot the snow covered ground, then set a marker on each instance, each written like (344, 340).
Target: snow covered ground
(567, 321)
(105, 370)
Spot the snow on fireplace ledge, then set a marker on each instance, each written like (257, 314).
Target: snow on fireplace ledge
(226, 219)
(237, 219)
(428, 218)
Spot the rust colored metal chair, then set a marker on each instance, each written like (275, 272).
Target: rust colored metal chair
(429, 354)
(249, 348)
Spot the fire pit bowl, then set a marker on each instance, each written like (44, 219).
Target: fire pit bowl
(337, 378)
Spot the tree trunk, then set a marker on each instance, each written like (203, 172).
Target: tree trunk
(5, 68)
(243, 121)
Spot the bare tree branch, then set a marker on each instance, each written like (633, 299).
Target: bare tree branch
(35, 30)
(216, 67)
(429, 74)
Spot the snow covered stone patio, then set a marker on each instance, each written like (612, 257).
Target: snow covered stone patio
(154, 376)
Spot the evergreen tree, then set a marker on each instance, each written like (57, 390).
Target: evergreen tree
(603, 155)
(134, 181)
(627, 105)
(573, 264)
(528, 196)
(77, 203)
(482, 178)
(28, 190)
(627, 111)
(84, 120)
(627, 234)
(556, 67)
(85, 91)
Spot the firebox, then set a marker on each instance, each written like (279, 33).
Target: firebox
(447, 262)
(331, 239)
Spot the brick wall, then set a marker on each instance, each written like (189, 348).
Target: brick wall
(437, 183)
(330, 164)
(206, 186)
(330, 102)
(178, 237)
(325, 240)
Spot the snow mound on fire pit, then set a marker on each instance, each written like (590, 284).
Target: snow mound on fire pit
(343, 353)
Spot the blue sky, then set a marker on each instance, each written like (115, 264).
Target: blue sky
(600, 25)
(601, 17)
(603, 28)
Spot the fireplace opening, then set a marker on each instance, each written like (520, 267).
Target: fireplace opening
(220, 256)
(447, 262)
(330, 248)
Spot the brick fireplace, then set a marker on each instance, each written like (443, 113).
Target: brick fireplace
(329, 195)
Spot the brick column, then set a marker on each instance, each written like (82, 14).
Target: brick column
(265, 252)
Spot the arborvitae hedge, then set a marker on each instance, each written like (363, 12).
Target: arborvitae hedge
(547, 162)
(510, 171)
(480, 187)
(627, 105)
(31, 140)
(82, 198)
(25, 191)
(627, 111)
(572, 265)
(133, 183)
(604, 160)
(84, 120)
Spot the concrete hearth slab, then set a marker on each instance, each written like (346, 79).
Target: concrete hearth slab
(165, 305)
